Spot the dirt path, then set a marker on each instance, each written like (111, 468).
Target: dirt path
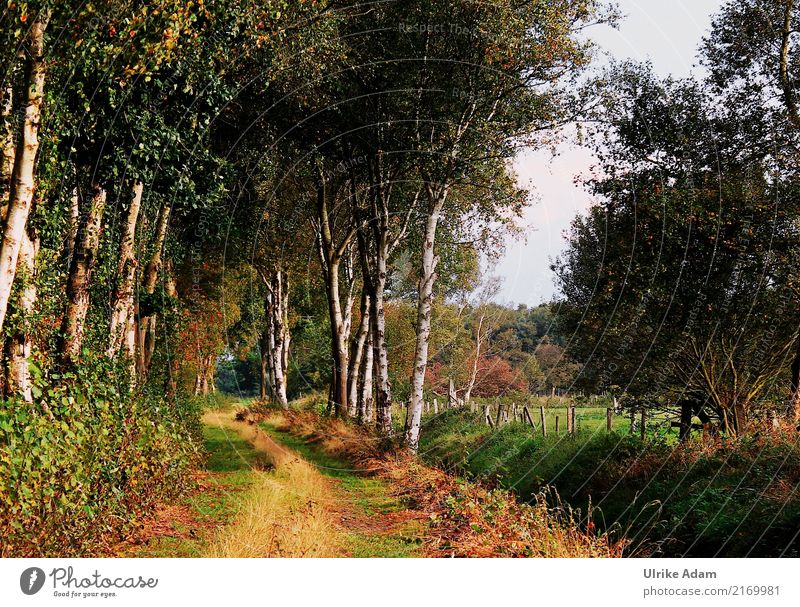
(268, 494)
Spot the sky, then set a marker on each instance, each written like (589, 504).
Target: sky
(666, 32)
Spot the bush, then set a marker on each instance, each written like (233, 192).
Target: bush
(86, 461)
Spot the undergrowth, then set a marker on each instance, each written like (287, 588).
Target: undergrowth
(720, 498)
(84, 462)
(466, 518)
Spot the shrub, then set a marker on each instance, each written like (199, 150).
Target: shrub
(86, 461)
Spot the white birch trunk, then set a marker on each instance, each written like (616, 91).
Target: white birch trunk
(18, 375)
(474, 374)
(121, 328)
(23, 180)
(279, 331)
(356, 358)
(74, 222)
(83, 262)
(366, 403)
(330, 258)
(383, 388)
(424, 305)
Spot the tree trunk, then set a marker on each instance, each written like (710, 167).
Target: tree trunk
(338, 344)
(383, 388)
(80, 276)
(18, 354)
(121, 328)
(22, 180)
(9, 142)
(74, 221)
(280, 331)
(366, 403)
(687, 411)
(424, 305)
(373, 271)
(156, 261)
(356, 358)
(330, 258)
(146, 331)
(204, 379)
(173, 362)
(264, 375)
(474, 375)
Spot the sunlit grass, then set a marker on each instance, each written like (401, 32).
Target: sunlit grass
(284, 512)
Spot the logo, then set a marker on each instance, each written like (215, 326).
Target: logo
(31, 580)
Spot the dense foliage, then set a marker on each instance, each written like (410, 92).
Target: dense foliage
(273, 198)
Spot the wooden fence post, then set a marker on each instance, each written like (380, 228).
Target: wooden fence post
(609, 419)
(569, 421)
(633, 420)
(527, 414)
(643, 429)
(544, 420)
(436, 406)
(557, 418)
(500, 412)
(573, 419)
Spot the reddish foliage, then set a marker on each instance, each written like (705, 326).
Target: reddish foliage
(496, 377)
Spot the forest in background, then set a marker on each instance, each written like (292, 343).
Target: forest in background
(308, 197)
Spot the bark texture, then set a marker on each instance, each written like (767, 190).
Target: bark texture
(23, 180)
(383, 387)
(146, 331)
(84, 260)
(19, 345)
(424, 306)
(281, 337)
(354, 371)
(331, 254)
(204, 379)
(121, 336)
(366, 403)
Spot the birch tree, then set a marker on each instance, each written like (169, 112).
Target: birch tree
(122, 326)
(84, 260)
(23, 181)
(501, 86)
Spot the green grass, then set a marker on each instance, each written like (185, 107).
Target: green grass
(369, 497)
(720, 501)
(231, 461)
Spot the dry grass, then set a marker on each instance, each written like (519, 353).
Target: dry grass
(466, 519)
(284, 514)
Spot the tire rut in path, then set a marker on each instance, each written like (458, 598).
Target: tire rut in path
(298, 508)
